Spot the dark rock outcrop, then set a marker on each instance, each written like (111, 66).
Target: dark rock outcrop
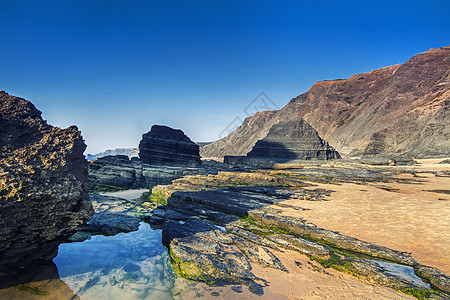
(291, 140)
(119, 172)
(397, 110)
(43, 184)
(116, 170)
(163, 145)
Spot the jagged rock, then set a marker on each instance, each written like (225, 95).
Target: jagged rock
(293, 140)
(164, 145)
(43, 184)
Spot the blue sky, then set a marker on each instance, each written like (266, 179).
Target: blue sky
(114, 68)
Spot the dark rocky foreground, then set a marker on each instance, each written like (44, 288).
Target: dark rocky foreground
(215, 226)
(216, 223)
(44, 184)
(163, 145)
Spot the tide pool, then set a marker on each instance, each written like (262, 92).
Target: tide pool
(132, 265)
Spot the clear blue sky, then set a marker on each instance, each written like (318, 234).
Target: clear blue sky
(114, 68)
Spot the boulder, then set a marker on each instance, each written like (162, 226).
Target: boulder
(293, 140)
(43, 184)
(163, 145)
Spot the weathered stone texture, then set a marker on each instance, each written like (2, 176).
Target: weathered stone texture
(43, 184)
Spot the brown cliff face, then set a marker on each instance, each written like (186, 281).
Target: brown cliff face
(43, 184)
(401, 109)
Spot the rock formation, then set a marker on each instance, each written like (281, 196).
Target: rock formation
(399, 110)
(291, 140)
(43, 184)
(119, 172)
(116, 170)
(215, 226)
(163, 145)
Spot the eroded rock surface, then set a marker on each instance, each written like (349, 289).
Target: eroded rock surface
(43, 184)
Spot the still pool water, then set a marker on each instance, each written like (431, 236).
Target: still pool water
(132, 265)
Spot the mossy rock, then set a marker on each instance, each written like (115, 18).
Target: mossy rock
(105, 188)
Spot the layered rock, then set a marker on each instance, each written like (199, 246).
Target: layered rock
(163, 145)
(293, 140)
(116, 170)
(43, 184)
(119, 172)
(397, 110)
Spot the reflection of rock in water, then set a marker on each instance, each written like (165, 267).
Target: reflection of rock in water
(125, 266)
(37, 283)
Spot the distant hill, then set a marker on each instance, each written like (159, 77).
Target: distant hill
(402, 110)
(202, 144)
(130, 152)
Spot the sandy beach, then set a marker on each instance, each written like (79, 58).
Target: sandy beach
(409, 219)
(304, 280)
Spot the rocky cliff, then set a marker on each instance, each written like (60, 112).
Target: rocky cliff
(43, 184)
(291, 140)
(163, 145)
(400, 110)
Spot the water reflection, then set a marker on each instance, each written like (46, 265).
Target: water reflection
(126, 266)
(39, 282)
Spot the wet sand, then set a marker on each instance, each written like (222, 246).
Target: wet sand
(305, 280)
(410, 219)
